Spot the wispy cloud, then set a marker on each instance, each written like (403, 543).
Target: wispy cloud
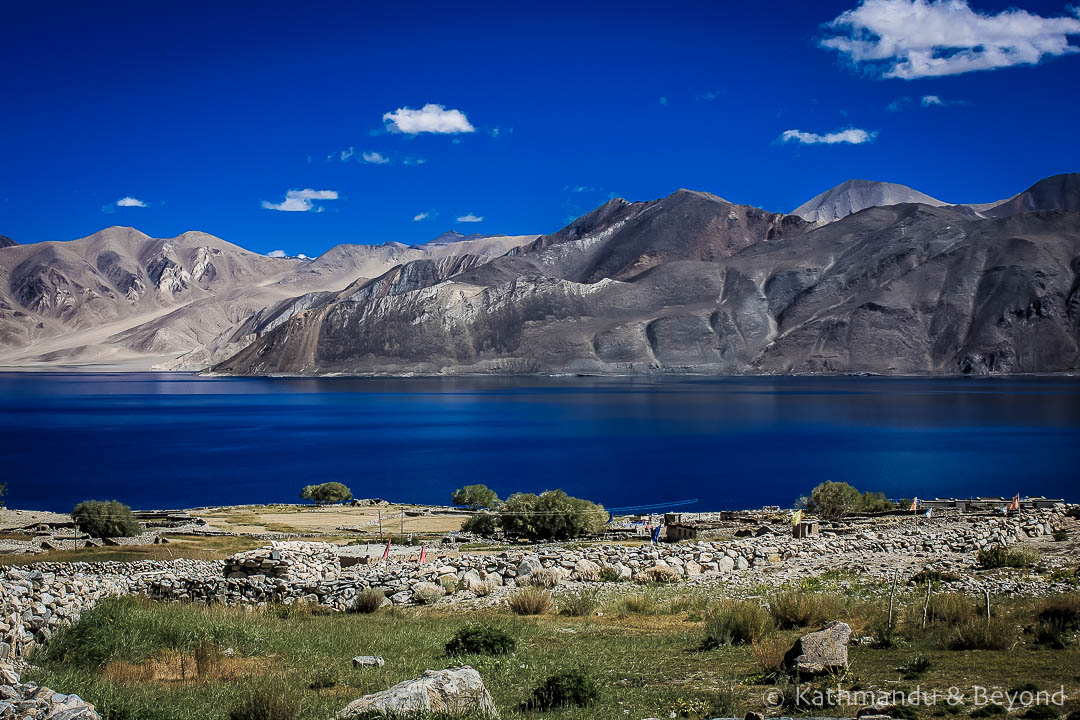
(579, 188)
(915, 38)
(276, 254)
(375, 158)
(709, 95)
(431, 118)
(301, 200)
(898, 104)
(851, 136)
(928, 100)
(470, 218)
(415, 160)
(663, 100)
(421, 216)
(129, 201)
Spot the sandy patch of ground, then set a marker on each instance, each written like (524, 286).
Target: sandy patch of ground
(327, 520)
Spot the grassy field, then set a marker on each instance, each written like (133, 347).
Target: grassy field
(137, 660)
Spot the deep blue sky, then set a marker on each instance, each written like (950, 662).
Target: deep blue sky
(204, 111)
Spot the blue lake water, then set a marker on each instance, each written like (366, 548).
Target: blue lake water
(168, 440)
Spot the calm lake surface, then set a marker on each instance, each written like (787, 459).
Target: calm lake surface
(172, 440)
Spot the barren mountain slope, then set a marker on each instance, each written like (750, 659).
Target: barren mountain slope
(855, 195)
(907, 288)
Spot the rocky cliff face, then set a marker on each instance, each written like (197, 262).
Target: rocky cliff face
(692, 283)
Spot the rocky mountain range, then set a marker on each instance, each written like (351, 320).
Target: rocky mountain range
(864, 278)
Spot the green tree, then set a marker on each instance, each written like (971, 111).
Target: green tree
(326, 493)
(552, 515)
(872, 502)
(475, 497)
(105, 519)
(834, 500)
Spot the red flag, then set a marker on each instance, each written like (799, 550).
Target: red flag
(423, 554)
(386, 552)
(914, 505)
(1015, 504)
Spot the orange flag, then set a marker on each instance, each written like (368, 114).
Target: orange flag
(914, 505)
(386, 552)
(1015, 504)
(423, 554)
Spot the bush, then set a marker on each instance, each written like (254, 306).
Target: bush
(1059, 535)
(978, 634)
(326, 493)
(736, 622)
(914, 667)
(657, 575)
(834, 500)
(485, 524)
(1051, 634)
(609, 574)
(578, 604)
(1062, 609)
(105, 519)
(882, 631)
(545, 578)
(480, 640)
(950, 608)
(1042, 712)
(475, 497)
(1002, 557)
(367, 601)
(794, 609)
(933, 575)
(552, 515)
(988, 711)
(530, 601)
(769, 653)
(565, 690)
(265, 704)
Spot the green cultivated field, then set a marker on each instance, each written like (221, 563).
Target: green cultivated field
(138, 660)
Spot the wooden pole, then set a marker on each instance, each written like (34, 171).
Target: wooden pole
(987, 591)
(892, 596)
(926, 605)
(380, 524)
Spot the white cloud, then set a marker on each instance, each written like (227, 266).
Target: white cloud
(421, 216)
(413, 160)
(852, 136)
(301, 200)
(130, 202)
(710, 95)
(578, 188)
(375, 158)
(276, 254)
(898, 104)
(431, 118)
(928, 100)
(470, 218)
(914, 38)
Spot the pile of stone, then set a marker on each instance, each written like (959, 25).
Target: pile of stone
(301, 562)
(27, 701)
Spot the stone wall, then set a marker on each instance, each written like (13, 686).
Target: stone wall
(37, 599)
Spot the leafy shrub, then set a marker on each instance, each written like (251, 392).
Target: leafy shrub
(105, 519)
(480, 640)
(475, 497)
(903, 712)
(978, 634)
(265, 703)
(882, 631)
(914, 667)
(834, 500)
(950, 608)
(565, 690)
(552, 515)
(578, 604)
(736, 622)
(367, 601)
(1051, 634)
(1002, 557)
(933, 575)
(1059, 535)
(530, 601)
(769, 652)
(1042, 712)
(326, 493)
(794, 609)
(485, 524)
(657, 575)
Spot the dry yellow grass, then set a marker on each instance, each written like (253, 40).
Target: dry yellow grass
(327, 520)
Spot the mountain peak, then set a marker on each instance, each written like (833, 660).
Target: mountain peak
(856, 194)
(5, 241)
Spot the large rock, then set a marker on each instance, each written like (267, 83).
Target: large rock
(586, 571)
(528, 565)
(457, 691)
(821, 652)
